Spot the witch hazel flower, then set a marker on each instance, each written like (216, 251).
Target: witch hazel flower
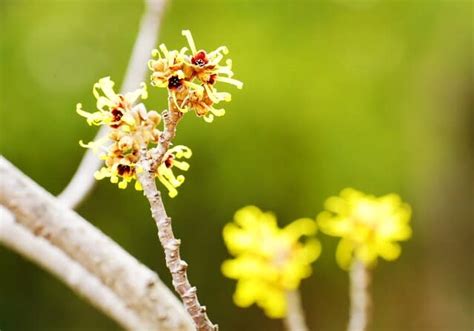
(269, 261)
(130, 127)
(113, 109)
(191, 78)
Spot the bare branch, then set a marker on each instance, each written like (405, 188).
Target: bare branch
(170, 244)
(360, 297)
(82, 181)
(294, 320)
(38, 250)
(140, 289)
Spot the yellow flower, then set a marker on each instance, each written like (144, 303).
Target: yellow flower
(123, 169)
(203, 105)
(206, 66)
(368, 226)
(113, 109)
(130, 128)
(191, 79)
(269, 261)
(165, 170)
(169, 64)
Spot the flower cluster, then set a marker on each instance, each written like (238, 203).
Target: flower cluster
(369, 226)
(131, 126)
(191, 78)
(269, 261)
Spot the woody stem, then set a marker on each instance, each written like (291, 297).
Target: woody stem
(149, 161)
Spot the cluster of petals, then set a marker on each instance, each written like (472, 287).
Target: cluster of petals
(269, 261)
(369, 226)
(131, 126)
(191, 78)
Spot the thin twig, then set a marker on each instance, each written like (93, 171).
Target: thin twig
(38, 250)
(82, 181)
(44, 215)
(294, 319)
(170, 244)
(360, 297)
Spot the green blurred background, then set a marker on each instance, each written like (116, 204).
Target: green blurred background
(377, 95)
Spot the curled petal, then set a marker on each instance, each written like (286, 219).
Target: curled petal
(181, 165)
(106, 86)
(172, 192)
(301, 227)
(217, 112)
(123, 184)
(232, 81)
(141, 93)
(190, 39)
(344, 253)
(209, 118)
(181, 151)
(138, 186)
(102, 173)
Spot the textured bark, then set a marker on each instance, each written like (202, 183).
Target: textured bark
(294, 319)
(149, 161)
(360, 297)
(140, 289)
(40, 251)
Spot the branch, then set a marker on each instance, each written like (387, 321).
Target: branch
(294, 319)
(360, 297)
(170, 244)
(39, 250)
(82, 181)
(140, 289)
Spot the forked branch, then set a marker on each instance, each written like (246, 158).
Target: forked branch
(137, 286)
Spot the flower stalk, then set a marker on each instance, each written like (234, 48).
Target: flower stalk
(359, 276)
(294, 319)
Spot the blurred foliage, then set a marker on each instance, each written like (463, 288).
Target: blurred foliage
(376, 95)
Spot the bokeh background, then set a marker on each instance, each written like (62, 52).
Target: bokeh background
(377, 95)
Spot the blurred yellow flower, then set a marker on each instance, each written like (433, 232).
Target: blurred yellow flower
(269, 261)
(368, 226)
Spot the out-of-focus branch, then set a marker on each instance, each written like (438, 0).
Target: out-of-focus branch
(83, 181)
(40, 251)
(137, 286)
(360, 297)
(175, 264)
(294, 320)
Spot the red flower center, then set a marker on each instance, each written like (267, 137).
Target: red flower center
(117, 116)
(200, 59)
(123, 169)
(174, 82)
(169, 161)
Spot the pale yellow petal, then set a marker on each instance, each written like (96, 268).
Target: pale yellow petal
(344, 252)
(190, 40)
